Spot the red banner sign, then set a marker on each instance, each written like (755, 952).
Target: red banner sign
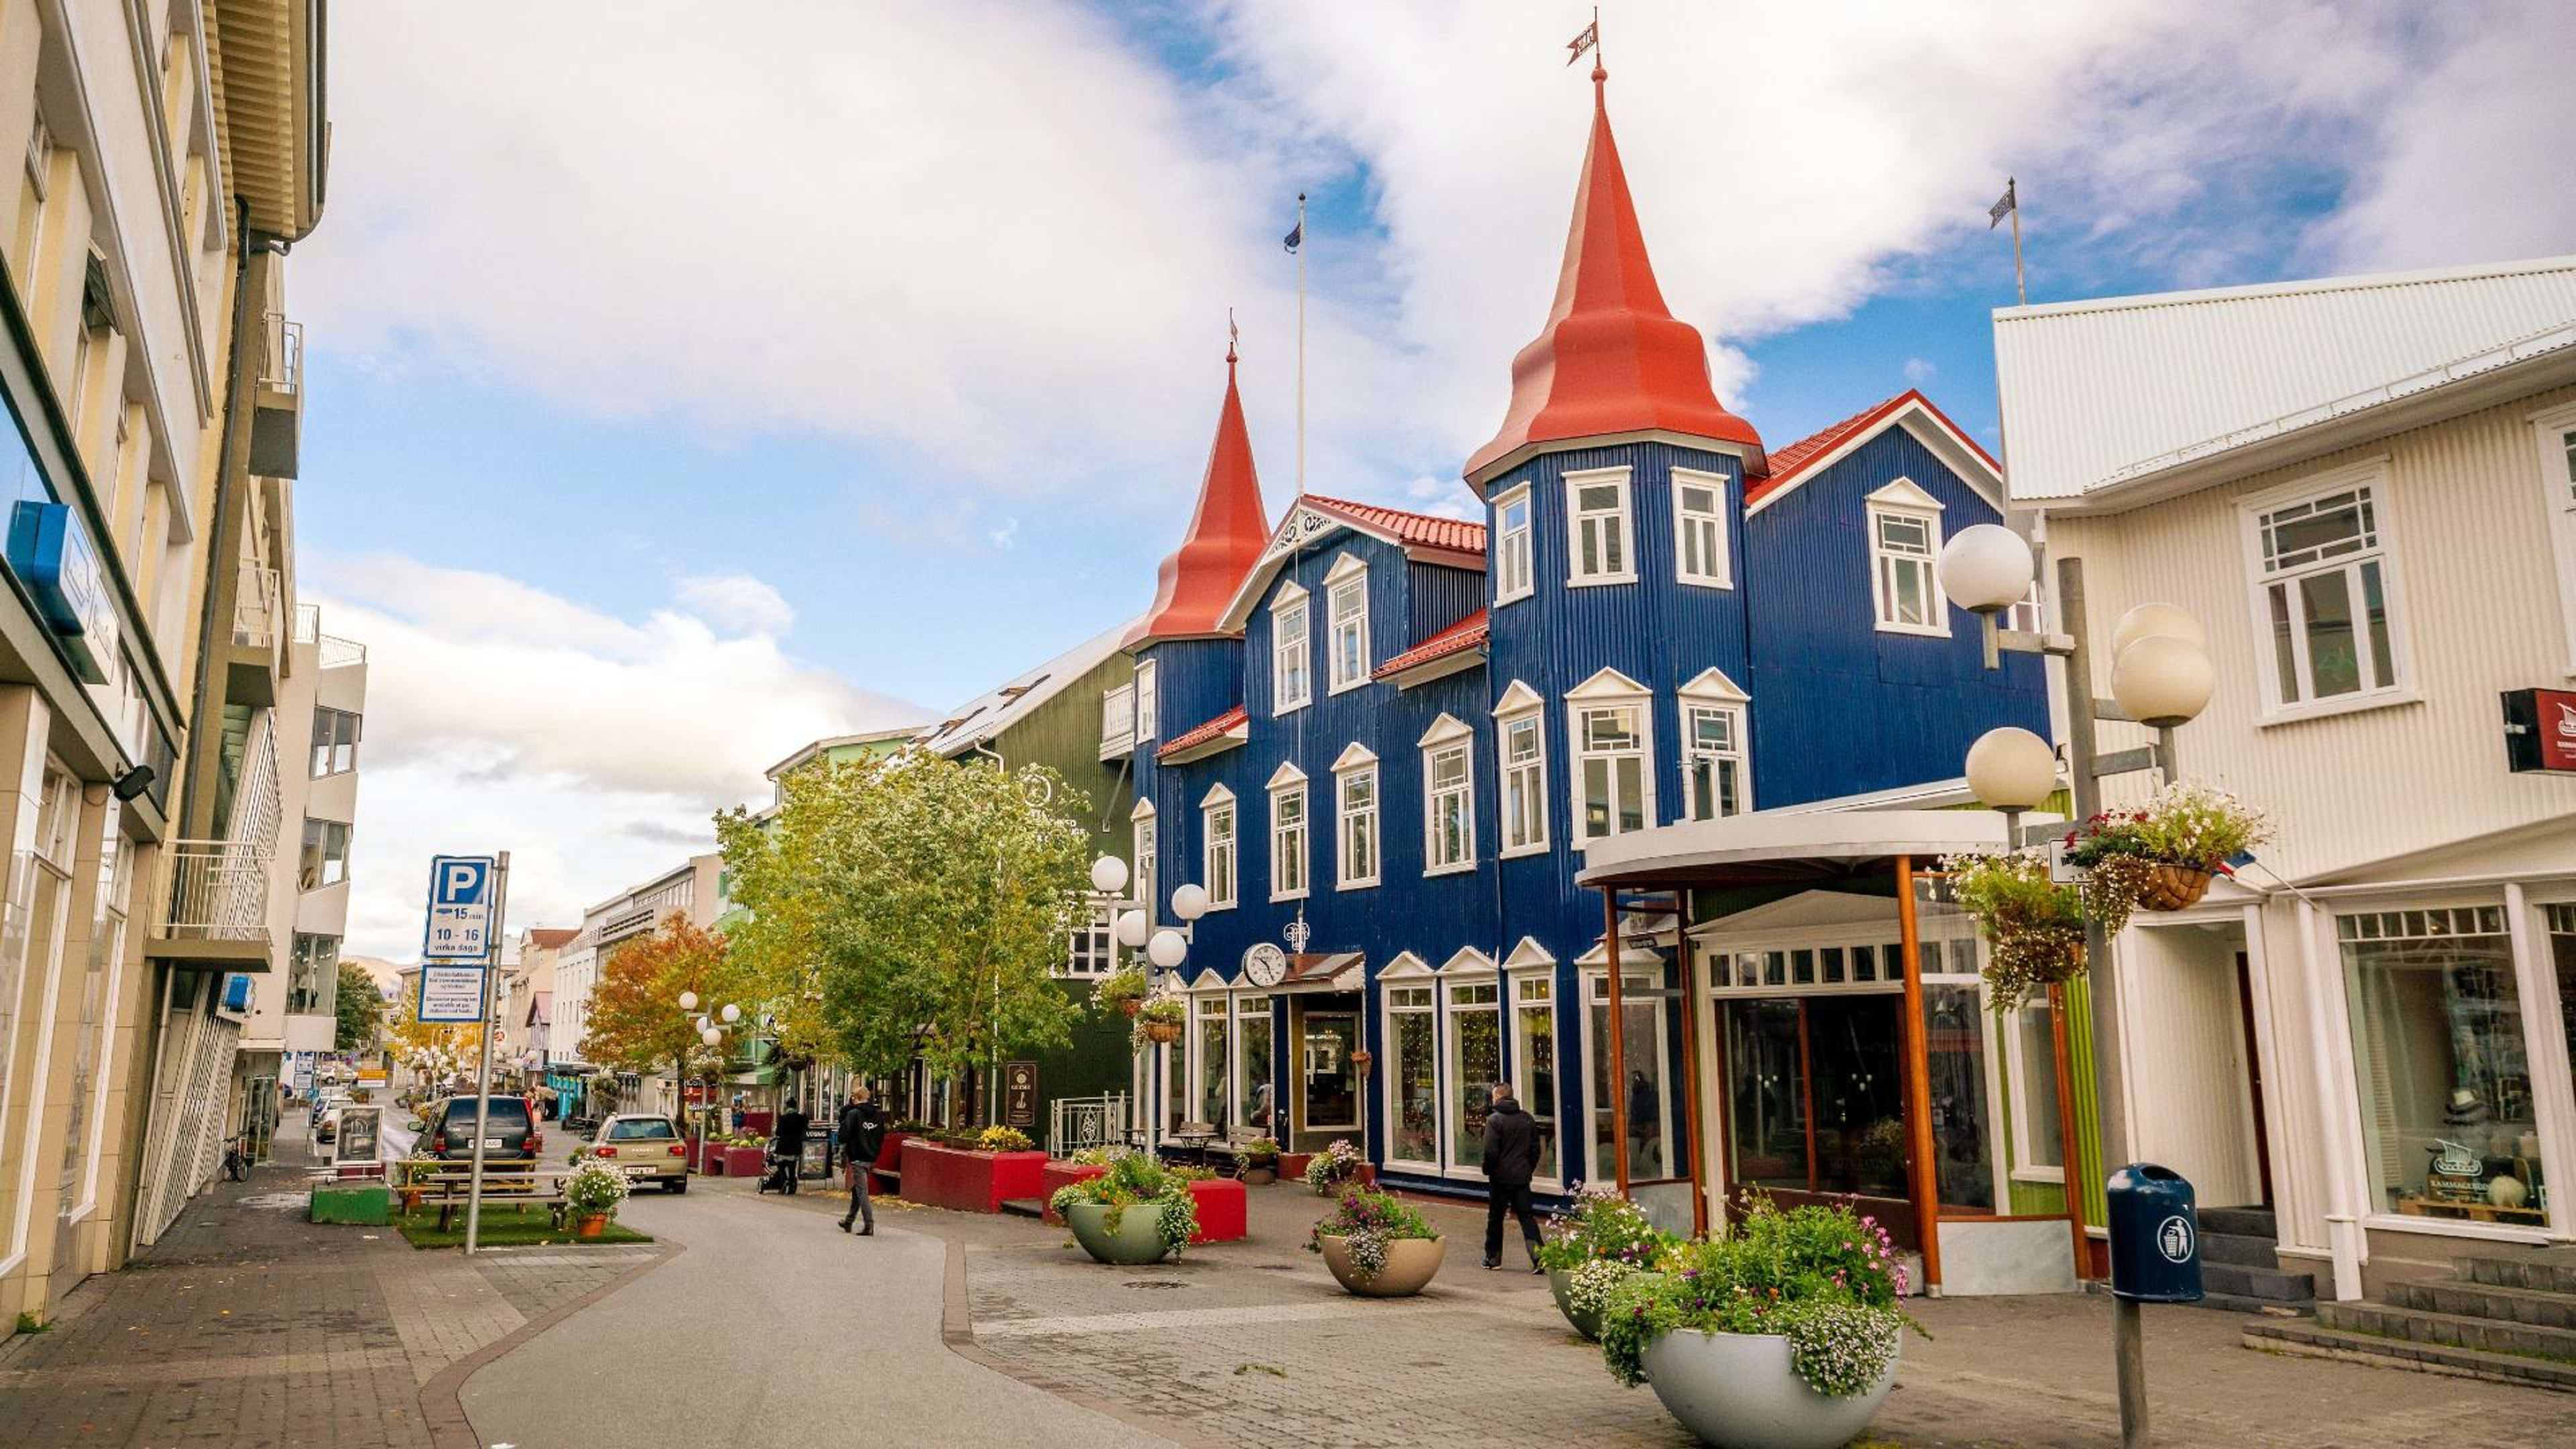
(2540, 729)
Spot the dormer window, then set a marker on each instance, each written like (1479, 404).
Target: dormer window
(1512, 575)
(1600, 544)
(1292, 652)
(1904, 545)
(1347, 599)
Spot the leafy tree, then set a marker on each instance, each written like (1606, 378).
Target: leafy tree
(636, 1023)
(436, 1050)
(360, 1009)
(911, 907)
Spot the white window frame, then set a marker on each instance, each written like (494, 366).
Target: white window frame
(2018, 1068)
(1249, 1006)
(1903, 500)
(1289, 783)
(1521, 977)
(1608, 689)
(1291, 602)
(1520, 706)
(1357, 764)
(1349, 578)
(1718, 568)
(1408, 972)
(1469, 970)
(1448, 736)
(1147, 701)
(1713, 693)
(1142, 841)
(1619, 524)
(2551, 433)
(1515, 548)
(1220, 801)
(2369, 477)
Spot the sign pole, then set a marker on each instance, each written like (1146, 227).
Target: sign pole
(483, 1055)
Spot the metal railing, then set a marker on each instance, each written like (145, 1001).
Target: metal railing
(334, 651)
(259, 608)
(218, 890)
(282, 366)
(1075, 1123)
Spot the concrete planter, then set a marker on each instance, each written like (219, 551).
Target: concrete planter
(1410, 1262)
(1056, 1176)
(1739, 1391)
(744, 1161)
(1560, 1281)
(1135, 1241)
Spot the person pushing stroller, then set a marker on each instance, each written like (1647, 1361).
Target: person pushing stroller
(786, 1151)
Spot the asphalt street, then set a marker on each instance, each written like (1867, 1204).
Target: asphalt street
(773, 1327)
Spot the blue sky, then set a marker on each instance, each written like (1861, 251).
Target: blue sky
(729, 389)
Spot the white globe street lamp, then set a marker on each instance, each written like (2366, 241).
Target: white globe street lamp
(732, 1013)
(1190, 902)
(1166, 949)
(688, 1001)
(1132, 929)
(2012, 770)
(2162, 681)
(1986, 568)
(1109, 875)
(711, 1036)
(2148, 621)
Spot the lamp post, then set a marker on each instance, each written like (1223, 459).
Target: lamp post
(2161, 677)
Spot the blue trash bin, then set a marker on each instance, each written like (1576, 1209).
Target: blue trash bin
(2155, 1235)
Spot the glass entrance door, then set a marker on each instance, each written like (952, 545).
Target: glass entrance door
(1328, 1085)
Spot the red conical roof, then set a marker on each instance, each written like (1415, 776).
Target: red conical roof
(1225, 539)
(1612, 358)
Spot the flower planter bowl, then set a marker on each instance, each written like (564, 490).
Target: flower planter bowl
(1165, 1032)
(1056, 1176)
(1137, 1240)
(1560, 1281)
(593, 1224)
(2173, 888)
(1410, 1262)
(1739, 1391)
(1261, 1172)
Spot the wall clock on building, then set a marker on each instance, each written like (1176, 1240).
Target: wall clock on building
(1265, 965)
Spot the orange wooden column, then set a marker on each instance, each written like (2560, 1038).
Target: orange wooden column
(1618, 1043)
(1918, 1081)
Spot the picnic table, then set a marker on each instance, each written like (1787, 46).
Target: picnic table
(448, 1186)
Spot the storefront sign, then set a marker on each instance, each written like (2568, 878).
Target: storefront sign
(2540, 729)
(1020, 1094)
(51, 554)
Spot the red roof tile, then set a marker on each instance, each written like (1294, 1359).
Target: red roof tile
(1466, 634)
(1612, 357)
(1789, 462)
(1418, 530)
(1225, 540)
(1234, 718)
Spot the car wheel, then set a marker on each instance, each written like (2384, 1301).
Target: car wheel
(679, 1184)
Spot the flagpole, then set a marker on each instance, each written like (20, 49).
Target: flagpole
(1301, 344)
(2020, 284)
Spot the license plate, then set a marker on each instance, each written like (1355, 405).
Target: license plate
(491, 1144)
(638, 1171)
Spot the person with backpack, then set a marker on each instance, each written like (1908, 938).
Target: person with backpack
(862, 1134)
(1511, 1160)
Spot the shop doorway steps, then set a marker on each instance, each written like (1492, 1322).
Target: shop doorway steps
(2241, 1273)
(2505, 1318)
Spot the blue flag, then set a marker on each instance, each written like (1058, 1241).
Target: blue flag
(1296, 236)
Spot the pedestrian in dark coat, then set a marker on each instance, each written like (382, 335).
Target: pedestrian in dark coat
(1511, 1160)
(862, 1136)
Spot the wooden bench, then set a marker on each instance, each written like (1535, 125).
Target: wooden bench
(449, 1186)
(1229, 1156)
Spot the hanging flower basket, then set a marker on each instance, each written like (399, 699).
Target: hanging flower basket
(2034, 927)
(1160, 1021)
(1164, 1032)
(2162, 855)
(2173, 887)
(1128, 1007)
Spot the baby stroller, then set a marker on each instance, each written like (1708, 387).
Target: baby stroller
(782, 1165)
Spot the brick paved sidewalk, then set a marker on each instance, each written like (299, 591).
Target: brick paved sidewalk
(1255, 1339)
(247, 1325)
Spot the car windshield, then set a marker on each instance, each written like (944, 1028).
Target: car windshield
(634, 1128)
(506, 1114)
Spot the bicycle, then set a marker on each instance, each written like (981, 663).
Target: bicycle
(237, 1159)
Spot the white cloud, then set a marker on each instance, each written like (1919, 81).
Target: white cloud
(1919, 371)
(1003, 535)
(591, 747)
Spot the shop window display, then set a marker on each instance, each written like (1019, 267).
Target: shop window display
(1535, 1013)
(1475, 1065)
(1413, 1076)
(2444, 1071)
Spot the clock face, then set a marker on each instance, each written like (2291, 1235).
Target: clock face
(1265, 965)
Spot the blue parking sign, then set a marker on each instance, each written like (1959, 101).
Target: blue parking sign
(460, 909)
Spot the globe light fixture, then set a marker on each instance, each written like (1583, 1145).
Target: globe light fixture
(711, 1036)
(732, 1013)
(1132, 929)
(1109, 875)
(2012, 770)
(1985, 569)
(1190, 902)
(2148, 621)
(1166, 950)
(706, 1024)
(2161, 681)
(688, 1001)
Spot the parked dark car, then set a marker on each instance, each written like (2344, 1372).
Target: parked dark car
(510, 1136)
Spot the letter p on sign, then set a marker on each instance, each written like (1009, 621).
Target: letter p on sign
(461, 884)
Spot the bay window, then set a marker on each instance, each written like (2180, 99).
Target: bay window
(1524, 766)
(2323, 595)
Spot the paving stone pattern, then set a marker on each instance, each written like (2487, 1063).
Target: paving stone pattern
(247, 1325)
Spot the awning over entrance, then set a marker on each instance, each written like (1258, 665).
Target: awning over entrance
(1783, 849)
(1324, 971)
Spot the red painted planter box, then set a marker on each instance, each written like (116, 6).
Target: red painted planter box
(1224, 1210)
(969, 1182)
(1062, 1175)
(760, 1122)
(742, 1161)
(886, 1173)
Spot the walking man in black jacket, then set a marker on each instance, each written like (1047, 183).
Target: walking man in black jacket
(1511, 1159)
(861, 1131)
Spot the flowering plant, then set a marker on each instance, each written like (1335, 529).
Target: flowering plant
(1338, 1162)
(2034, 927)
(1119, 988)
(2186, 824)
(1595, 1281)
(1133, 1179)
(1002, 1139)
(1599, 1224)
(1163, 1011)
(1824, 1278)
(1367, 1220)
(594, 1187)
(1098, 1156)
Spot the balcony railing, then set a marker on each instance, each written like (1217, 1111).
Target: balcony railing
(1117, 721)
(334, 651)
(259, 608)
(281, 367)
(218, 890)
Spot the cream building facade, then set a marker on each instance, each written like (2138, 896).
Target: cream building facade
(691, 891)
(2365, 490)
(169, 152)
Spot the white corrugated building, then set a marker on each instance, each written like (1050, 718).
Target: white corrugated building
(2365, 489)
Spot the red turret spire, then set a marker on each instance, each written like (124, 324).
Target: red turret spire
(1225, 538)
(1612, 358)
